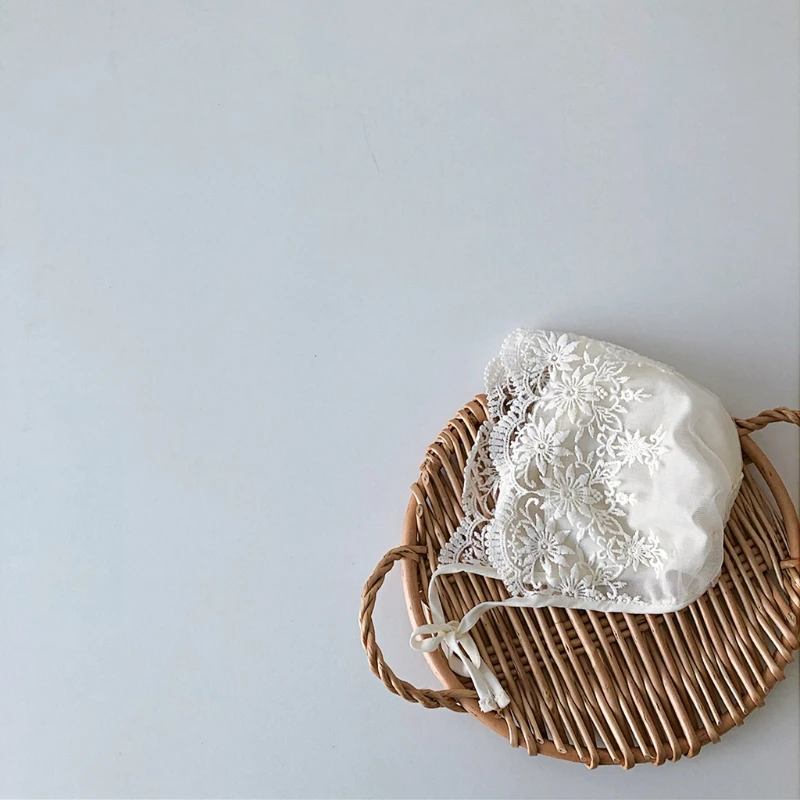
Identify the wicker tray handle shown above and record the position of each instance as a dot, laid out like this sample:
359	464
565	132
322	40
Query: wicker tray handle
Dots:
779	492
451	698
430	698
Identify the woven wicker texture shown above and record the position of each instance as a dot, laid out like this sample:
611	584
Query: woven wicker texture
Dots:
609	688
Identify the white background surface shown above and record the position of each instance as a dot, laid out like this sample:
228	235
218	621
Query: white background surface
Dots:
254	254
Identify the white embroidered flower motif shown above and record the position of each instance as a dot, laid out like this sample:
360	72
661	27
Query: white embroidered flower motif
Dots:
557	353
540	443
628	599
572	393
629	395
639	549
621	498
539	542
631	447
606	574
575	581
567	494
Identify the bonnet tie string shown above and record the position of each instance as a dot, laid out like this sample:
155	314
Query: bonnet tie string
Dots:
453	637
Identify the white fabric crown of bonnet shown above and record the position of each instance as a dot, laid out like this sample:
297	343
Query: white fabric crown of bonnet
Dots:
600	480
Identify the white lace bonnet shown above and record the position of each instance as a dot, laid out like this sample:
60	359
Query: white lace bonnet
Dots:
601	480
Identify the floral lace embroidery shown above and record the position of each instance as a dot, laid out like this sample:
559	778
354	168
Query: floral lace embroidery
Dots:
556	524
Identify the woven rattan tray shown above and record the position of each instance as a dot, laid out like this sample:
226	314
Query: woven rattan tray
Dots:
610	688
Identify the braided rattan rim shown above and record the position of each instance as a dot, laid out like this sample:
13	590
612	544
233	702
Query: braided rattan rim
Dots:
639	711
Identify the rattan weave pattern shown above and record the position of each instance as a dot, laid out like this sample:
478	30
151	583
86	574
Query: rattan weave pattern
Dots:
609	688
